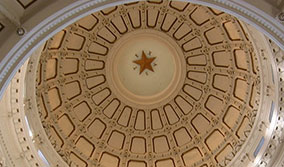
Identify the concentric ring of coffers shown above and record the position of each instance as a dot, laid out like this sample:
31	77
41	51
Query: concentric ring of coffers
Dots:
201	125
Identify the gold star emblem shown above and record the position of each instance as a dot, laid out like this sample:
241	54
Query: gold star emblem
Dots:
145	62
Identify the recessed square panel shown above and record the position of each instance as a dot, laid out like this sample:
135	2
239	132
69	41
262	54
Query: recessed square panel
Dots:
116	140
138	145
82	110
85	146
137	164
214	140
77	161
109	160
161	144
182	136
97	128
165	163
191	156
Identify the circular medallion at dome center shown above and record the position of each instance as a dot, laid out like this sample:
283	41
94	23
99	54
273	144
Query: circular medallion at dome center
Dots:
145	67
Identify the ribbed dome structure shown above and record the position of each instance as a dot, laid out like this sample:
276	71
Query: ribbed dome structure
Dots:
149	84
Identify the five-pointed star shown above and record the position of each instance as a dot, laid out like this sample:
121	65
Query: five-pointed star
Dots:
145	62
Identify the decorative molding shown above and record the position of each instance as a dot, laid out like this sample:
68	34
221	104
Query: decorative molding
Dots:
274	155
246	156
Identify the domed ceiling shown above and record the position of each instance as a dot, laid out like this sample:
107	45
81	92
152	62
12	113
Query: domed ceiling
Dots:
149	84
